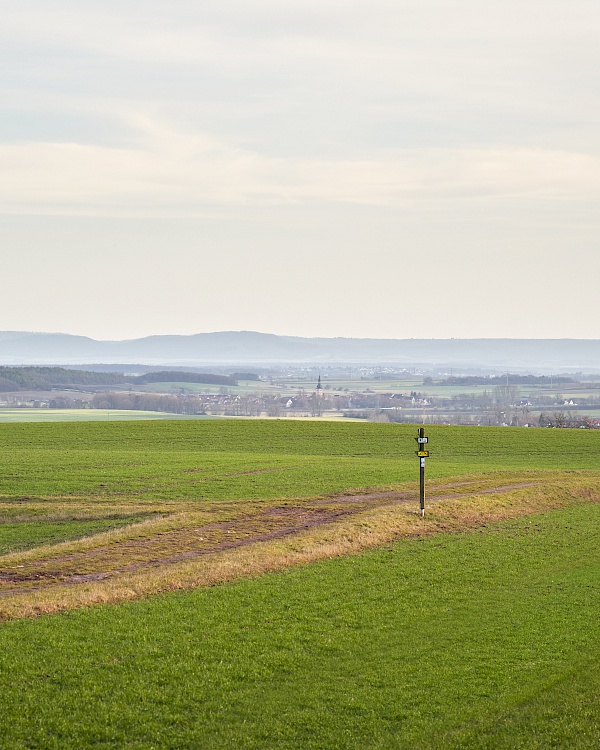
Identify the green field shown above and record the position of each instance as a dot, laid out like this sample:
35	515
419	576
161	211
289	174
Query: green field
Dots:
150	458
82	415
476	627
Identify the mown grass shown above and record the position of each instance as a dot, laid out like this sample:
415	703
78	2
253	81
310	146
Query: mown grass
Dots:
484	639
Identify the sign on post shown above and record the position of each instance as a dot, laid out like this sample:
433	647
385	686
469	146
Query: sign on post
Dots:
422	454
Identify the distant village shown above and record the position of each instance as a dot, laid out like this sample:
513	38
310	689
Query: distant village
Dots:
467	400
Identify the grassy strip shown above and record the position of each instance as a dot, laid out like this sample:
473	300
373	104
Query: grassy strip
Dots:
15	537
371	528
422	644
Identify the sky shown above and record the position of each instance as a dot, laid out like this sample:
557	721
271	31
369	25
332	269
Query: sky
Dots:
360	168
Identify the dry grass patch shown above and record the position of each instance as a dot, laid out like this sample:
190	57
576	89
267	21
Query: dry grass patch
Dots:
224	542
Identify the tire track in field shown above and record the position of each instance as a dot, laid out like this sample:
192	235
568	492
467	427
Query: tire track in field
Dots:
272	523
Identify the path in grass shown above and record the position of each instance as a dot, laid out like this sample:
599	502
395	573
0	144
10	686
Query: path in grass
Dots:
188	541
186	548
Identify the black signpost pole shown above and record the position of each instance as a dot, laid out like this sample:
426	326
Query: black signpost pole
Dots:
422	454
422	487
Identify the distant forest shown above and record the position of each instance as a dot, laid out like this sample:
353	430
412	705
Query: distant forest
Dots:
46	378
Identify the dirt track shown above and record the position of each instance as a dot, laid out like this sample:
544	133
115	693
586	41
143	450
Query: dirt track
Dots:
182	544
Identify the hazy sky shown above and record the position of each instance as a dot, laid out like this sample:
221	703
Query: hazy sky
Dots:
380	168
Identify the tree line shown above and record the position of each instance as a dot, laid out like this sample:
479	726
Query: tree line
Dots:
46	378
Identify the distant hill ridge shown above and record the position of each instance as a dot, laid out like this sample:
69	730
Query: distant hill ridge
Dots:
251	347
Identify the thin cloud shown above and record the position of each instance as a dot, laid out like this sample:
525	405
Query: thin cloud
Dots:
183	174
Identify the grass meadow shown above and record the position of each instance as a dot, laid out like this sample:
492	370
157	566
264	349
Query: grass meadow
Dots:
267	584
81	415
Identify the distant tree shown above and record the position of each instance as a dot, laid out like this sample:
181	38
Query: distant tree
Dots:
560	419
